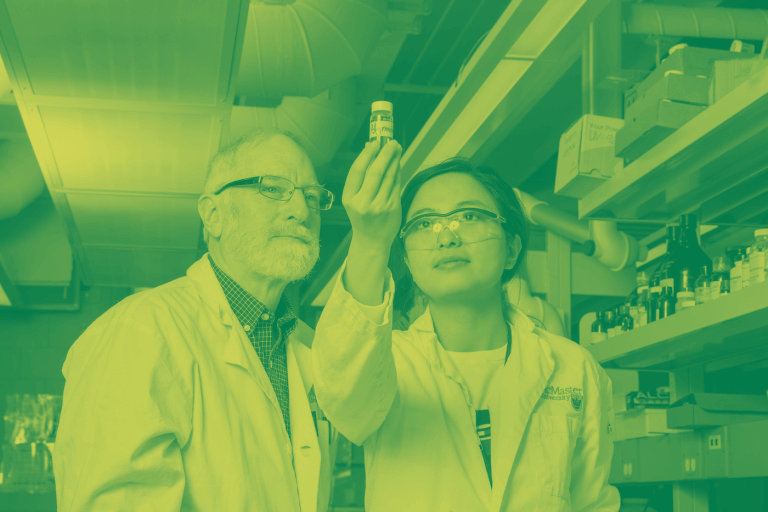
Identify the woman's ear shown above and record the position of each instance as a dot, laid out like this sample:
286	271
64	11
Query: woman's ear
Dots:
514	246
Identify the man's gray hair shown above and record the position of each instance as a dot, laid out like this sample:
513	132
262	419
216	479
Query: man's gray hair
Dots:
223	166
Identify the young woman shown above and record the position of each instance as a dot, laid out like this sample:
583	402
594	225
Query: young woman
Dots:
472	408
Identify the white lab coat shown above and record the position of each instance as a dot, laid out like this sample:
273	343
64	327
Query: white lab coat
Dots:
168	408
400	396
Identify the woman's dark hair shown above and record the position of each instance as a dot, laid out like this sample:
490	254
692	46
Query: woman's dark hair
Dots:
504	196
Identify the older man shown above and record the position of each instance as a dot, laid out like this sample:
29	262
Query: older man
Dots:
198	395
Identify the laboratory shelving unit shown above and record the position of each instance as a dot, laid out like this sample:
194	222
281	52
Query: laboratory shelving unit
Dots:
717	164
728	332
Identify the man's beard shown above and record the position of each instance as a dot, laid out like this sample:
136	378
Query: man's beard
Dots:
268	254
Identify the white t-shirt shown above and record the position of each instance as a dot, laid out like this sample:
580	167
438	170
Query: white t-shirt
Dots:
480	371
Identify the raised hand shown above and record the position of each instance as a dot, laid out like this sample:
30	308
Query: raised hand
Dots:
372	195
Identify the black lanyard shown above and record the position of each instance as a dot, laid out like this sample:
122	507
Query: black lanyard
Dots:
483	421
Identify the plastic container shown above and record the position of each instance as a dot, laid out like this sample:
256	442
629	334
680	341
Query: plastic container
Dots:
758	256
599	328
702	286
382	123
720	284
737	254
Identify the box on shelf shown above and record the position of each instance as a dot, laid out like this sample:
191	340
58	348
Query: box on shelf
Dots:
586	155
729	74
705	410
652	125
634	423
673	87
696	62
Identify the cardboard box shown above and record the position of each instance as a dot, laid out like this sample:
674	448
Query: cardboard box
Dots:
684	88
728	75
688	61
634	423
586	155
652	125
706	410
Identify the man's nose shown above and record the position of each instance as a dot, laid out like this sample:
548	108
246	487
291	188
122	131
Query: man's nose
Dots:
297	205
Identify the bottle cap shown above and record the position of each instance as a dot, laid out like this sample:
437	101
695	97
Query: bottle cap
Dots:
381	105
761	232
704	269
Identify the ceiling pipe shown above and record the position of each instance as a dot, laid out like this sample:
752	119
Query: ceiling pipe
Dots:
611	247
304	47
22	181
702	22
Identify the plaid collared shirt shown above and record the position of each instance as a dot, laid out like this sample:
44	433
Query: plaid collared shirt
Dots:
267	336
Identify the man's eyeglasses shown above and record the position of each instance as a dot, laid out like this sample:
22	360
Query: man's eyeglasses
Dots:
468	225
275	187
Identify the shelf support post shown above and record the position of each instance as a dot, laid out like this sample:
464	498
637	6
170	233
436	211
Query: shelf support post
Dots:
559	276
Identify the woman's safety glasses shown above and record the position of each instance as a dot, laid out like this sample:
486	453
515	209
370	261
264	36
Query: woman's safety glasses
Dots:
468	225
275	187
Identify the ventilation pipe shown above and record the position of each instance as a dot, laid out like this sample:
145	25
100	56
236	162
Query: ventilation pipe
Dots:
612	248
22	181
321	122
304	47
702	22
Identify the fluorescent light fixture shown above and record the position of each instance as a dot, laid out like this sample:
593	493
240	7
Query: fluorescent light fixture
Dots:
4	300
549	22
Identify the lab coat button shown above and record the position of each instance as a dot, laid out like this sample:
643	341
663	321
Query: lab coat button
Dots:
247	328
265	316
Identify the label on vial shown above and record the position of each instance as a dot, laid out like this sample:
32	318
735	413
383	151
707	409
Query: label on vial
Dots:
668	283
381	129
702	294
736	278
757	267
745	274
714	290
597	337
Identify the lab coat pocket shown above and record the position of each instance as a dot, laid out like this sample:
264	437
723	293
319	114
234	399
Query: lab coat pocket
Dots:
553	440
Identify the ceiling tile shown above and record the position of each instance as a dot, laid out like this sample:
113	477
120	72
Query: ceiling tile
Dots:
147	50
135	220
129	150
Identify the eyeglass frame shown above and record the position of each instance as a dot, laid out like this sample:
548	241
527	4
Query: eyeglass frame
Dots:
408	224
256	180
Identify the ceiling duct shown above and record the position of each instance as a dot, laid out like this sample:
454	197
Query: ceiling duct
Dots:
304	47
321	122
703	22
20	178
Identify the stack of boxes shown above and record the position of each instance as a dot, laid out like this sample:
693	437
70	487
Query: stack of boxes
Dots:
673	94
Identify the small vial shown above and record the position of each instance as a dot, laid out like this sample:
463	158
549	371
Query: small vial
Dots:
721	277
610	320
685	300
382	123
746	265
702	286
625	322
757	258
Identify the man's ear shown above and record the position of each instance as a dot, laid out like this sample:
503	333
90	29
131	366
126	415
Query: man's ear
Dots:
210	213
514	246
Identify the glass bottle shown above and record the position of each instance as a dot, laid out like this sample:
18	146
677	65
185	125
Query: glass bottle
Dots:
633	299
686	298
382	122
599	328
688	254
673	242
610	320
720	283
624	322
757	258
653	301
666	302
737	254
746	266
643	293
702	286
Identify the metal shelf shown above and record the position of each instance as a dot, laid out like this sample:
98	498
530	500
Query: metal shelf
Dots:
718	161
715	332
732	451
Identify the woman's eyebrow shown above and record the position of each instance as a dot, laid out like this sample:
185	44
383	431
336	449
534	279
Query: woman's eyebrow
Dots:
458	205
